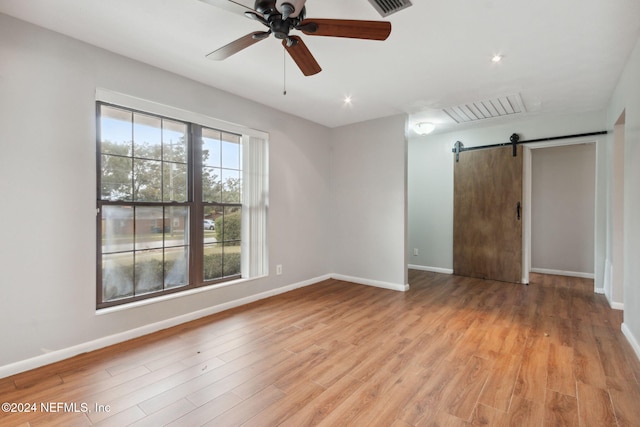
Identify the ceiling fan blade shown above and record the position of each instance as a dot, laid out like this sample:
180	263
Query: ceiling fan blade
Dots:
229	5
302	56
237	45
353	29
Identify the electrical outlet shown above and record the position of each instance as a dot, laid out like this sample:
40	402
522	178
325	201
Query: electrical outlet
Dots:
415	251
279	269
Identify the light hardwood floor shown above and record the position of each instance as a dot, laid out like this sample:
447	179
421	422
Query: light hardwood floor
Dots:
452	351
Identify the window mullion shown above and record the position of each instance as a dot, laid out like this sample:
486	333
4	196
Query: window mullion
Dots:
196	242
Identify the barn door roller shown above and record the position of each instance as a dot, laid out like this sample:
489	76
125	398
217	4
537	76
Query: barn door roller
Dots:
514	143
457	148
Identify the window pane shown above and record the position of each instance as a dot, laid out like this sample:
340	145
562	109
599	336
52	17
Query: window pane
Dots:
116	182
174	182
231	260
176	267
212	261
149	269
211	185
232	231
231	186
211	213
177	223
174	140
211	147
150	227
147	137
117	276
230	151
117	229
115	131
208	225
147	180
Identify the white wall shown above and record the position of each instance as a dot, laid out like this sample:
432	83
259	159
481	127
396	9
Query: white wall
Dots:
430	202
337	197
563	209
430	180
368	207
626	98
47	183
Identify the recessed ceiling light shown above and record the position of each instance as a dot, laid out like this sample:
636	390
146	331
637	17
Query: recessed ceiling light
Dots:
496	58
347	99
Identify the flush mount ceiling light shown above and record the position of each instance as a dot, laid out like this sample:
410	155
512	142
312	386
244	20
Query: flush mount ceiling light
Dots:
496	58
423	128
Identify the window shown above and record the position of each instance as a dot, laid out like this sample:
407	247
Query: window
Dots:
174	211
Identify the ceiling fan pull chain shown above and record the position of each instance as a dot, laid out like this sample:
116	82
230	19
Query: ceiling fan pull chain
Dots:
284	71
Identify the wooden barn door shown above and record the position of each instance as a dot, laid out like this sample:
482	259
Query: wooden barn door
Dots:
487	236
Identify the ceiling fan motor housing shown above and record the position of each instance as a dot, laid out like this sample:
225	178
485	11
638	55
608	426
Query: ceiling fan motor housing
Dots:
280	28
281	25
265	7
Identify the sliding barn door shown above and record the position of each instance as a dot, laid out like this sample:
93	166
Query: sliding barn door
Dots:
487	237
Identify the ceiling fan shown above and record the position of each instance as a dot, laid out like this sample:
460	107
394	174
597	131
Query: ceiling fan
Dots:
282	16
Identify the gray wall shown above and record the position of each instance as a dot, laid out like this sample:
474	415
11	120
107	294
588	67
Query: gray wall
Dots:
48	186
563	209
430	178
626	98
368	190
48	175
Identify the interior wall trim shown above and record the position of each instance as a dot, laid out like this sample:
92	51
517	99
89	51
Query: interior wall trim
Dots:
431	269
65	353
370	282
635	344
563	273
616	305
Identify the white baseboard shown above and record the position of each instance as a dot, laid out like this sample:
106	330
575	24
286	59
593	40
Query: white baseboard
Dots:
369	282
432	269
563	273
65	353
632	339
616	305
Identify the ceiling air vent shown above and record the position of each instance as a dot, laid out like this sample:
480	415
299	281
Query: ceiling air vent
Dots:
387	7
486	109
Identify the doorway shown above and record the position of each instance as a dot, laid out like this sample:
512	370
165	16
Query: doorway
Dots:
589	259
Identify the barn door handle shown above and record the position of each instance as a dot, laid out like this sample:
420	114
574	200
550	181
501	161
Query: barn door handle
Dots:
518	208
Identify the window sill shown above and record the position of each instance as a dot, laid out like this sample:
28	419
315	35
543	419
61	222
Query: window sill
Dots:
172	296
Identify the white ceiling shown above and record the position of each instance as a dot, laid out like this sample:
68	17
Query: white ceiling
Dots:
560	56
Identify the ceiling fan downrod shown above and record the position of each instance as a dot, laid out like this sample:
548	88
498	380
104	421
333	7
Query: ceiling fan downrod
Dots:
287	10
290	8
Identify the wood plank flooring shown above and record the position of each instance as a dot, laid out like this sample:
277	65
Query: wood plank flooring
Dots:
452	351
